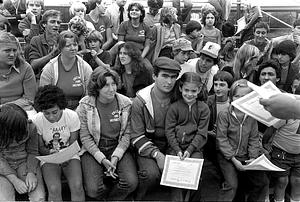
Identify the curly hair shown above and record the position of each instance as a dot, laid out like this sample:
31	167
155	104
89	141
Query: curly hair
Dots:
98	80
140	7
135	54
270	63
49	96
168	15
79	24
13	124
205	13
155	3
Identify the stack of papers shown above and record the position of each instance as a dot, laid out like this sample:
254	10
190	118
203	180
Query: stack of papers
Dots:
262	163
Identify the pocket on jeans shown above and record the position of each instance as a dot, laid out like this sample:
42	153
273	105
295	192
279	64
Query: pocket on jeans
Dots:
276	154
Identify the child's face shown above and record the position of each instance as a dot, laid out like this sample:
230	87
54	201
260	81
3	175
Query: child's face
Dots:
189	92
94	45
260	34
241	92
195	34
295	85
221	88
210	19
34	6
182	56
53	114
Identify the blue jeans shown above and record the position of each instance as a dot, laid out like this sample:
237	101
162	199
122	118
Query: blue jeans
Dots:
149	176
254	182
93	176
7	190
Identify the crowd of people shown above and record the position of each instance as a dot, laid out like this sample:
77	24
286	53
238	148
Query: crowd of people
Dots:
131	87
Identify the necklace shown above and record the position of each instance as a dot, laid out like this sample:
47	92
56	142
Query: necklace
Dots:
5	76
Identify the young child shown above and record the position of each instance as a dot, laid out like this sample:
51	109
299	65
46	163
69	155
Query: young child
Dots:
187	121
209	31
238	144
58	128
78	26
19	145
192	31
95	55
217	102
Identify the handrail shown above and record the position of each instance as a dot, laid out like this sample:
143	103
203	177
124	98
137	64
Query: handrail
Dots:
290	26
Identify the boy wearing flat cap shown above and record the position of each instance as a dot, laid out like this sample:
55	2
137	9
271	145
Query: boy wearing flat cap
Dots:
149	109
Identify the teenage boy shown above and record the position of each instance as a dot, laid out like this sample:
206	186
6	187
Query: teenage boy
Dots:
192	31
149	109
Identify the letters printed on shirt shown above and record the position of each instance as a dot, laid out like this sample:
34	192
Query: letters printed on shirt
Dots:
101	28
115	116
142	33
77	82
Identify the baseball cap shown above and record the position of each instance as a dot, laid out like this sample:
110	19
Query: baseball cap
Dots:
182	44
211	49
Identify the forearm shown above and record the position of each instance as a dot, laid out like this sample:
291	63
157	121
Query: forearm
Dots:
39	63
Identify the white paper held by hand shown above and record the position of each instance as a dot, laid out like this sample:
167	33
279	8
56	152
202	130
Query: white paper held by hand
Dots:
262	163
61	156
181	173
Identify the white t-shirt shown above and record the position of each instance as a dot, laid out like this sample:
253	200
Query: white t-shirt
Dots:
57	134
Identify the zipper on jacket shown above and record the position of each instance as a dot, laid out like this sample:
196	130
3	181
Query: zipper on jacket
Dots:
240	130
183	135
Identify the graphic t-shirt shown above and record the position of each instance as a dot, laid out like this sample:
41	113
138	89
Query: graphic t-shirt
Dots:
56	135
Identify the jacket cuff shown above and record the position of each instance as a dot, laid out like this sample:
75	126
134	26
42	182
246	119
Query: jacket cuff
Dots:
99	156
177	149
190	149
118	153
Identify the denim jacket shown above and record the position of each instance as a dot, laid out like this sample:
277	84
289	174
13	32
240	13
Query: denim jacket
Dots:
17	153
90	127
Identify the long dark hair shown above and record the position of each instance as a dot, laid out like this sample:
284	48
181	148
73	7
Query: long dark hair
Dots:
13	124
193	78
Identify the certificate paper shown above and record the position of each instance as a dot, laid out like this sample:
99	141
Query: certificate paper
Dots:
262	163
61	156
181	173
250	105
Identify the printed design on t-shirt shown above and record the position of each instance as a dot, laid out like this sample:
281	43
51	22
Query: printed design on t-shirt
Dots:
77	82
101	29
115	116
142	33
56	143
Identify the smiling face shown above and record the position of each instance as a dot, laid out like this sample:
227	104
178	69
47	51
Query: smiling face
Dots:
189	92
260	35
125	59
8	54
165	81
108	92
53	114
135	12
53	24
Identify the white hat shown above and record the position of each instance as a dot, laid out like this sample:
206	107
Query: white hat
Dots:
211	49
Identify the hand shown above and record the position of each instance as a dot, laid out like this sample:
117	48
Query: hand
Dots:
31	181
30	16
238	164
52	151
94	53
55	51
114	160
180	155
20	186
26	32
249	161
280	106
160	160
109	168
186	155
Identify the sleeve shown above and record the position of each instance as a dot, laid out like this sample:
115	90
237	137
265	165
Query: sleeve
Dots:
32	148
85	136
5	168
106	57
87	74
108	23
73	120
29	87
254	147
122	29
201	136
222	138
47	75
124	141
138	126
148	32
170	127
34	29
34	52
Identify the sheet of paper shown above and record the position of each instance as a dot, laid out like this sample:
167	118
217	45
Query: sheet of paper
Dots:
250	105
262	163
181	173
62	156
241	24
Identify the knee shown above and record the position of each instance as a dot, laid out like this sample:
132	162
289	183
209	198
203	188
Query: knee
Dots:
132	184
295	181
95	191
54	189
76	187
282	182
148	177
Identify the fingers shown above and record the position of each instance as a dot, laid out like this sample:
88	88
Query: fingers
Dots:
264	102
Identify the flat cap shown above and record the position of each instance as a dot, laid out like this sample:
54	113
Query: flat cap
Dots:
167	64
